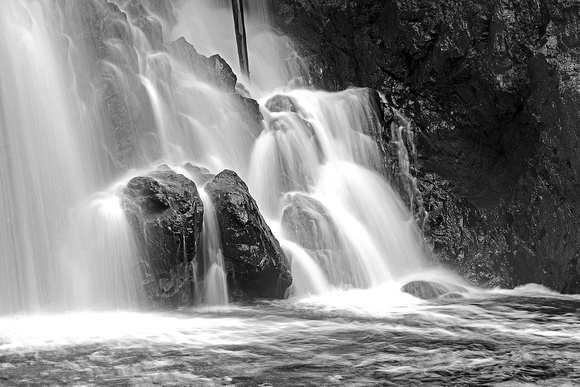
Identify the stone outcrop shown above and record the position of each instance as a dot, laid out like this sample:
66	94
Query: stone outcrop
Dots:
494	93
256	263
166	215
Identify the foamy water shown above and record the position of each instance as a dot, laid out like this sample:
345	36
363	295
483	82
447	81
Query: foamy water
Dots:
527	335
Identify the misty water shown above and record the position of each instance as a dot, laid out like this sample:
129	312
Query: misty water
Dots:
72	309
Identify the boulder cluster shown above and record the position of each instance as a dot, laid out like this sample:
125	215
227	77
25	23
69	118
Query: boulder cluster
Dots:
165	211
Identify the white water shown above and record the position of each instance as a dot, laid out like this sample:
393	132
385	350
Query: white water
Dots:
68	246
65	243
215	289
47	170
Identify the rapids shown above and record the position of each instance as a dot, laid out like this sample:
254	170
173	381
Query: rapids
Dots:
72	311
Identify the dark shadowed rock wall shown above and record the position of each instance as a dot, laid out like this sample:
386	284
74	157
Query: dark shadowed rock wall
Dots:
493	89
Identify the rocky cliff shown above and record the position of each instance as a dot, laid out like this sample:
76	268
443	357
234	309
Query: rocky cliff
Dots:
493	91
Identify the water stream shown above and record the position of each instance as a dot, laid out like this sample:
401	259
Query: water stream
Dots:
71	304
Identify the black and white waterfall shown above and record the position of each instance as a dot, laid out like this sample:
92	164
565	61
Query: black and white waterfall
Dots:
165	219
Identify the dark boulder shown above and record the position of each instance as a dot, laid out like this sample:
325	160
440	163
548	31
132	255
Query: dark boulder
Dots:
166	215
255	261
429	290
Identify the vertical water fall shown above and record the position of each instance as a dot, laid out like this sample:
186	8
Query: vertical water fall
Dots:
215	289
46	172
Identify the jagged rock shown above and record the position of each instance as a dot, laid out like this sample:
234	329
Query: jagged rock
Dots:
217	71
256	263
213	69
199	175
166	215
429	290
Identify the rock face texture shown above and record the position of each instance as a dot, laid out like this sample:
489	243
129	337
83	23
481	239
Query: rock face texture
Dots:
255	261
166	215
493	90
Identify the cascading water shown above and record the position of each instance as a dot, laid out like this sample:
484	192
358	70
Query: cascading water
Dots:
215	290
47	169
316	152
109	94
318	158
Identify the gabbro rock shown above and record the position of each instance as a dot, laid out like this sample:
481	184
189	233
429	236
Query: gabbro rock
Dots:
166	215
255	261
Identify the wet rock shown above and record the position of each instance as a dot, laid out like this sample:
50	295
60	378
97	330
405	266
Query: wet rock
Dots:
166	215
256	263
216	71
451	296
199	175
213	69
429	290
281	103
101	37
164	11
142	19
306	222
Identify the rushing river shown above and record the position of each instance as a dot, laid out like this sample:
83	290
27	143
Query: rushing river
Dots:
527	336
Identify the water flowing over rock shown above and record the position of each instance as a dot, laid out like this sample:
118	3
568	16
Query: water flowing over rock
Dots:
258	266
429	290
213	68
492	89
305	221
166	214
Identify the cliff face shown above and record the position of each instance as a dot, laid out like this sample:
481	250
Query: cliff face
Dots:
493	88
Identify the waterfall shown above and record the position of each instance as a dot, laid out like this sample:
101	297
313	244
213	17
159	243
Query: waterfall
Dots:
318	161
215	289
47	167
85	105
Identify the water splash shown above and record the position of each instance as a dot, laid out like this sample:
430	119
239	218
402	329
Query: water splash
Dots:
215	289
316	166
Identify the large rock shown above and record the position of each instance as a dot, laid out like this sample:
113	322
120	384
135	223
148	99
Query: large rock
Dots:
166	215
256	263
494	91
